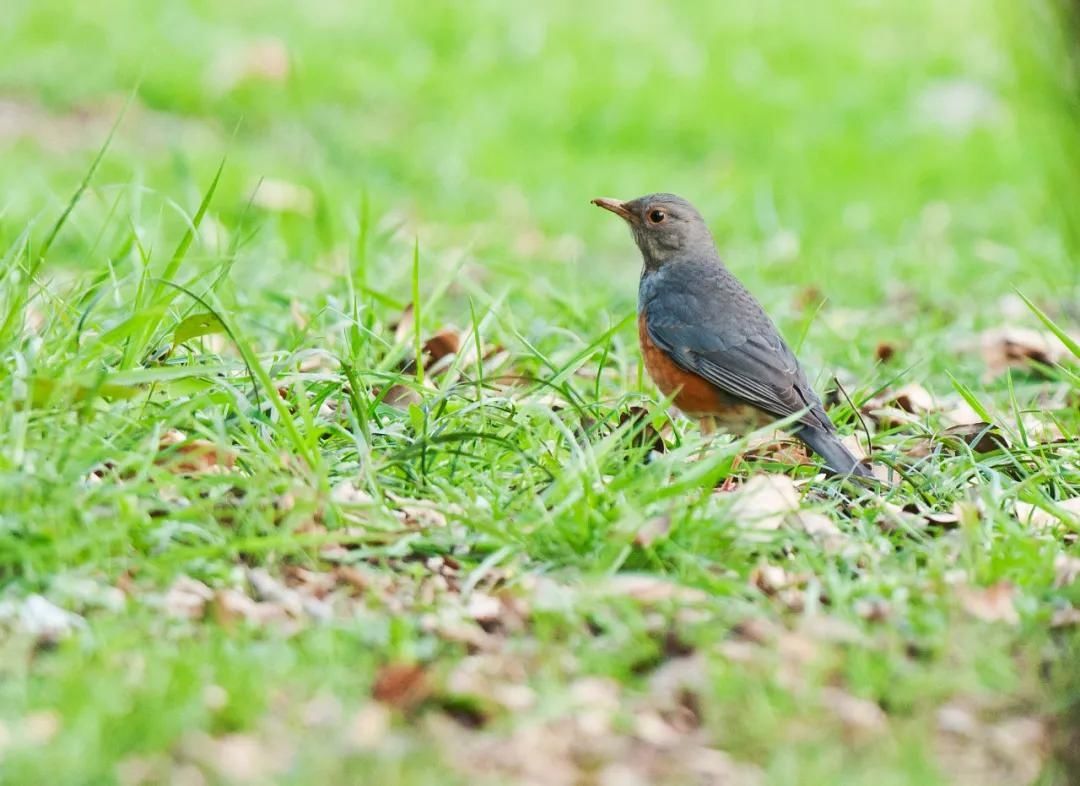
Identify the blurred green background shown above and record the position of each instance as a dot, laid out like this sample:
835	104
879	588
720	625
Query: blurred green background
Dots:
878	173
878	145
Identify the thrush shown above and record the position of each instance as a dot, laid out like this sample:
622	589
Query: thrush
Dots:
706	341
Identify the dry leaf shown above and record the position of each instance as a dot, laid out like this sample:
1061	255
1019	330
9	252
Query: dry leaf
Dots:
1065	617
182	456
369	727
779	449
1065	511
652	530
239	758
1066	570
403	686
441	347
873	609
771	579
187	597
401	397
859	717
649	590
980	436
1018	347
764	501
990	604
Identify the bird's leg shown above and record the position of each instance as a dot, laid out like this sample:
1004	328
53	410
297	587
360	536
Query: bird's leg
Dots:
707	425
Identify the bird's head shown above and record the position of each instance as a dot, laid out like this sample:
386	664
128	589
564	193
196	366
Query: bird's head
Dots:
665	227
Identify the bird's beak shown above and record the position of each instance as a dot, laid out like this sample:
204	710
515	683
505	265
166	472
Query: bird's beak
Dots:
616	206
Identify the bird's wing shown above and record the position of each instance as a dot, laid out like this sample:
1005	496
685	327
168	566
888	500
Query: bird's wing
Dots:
748	361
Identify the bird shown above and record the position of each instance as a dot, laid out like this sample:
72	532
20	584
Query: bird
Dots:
707	342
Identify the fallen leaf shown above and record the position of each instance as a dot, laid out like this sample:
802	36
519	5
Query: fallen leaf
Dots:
369	726
239	758
1018	347
442	346
859	717
873	609
981	437
184	456
649	590
771	579
1065	617
187	597
764	501
781	450
912	398
1065	511
990	604
652	530
1066	570
403	686
401	397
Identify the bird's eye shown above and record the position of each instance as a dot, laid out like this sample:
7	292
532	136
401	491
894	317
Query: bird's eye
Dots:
656	216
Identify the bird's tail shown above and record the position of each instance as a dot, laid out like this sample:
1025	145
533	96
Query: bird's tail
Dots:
838	459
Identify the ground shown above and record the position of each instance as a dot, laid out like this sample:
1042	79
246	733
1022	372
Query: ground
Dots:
328	456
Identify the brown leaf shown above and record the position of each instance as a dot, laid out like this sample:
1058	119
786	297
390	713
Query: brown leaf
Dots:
443	345
913	398
1018	347
990	604
403	686
182	456
401	397
786	451
981	437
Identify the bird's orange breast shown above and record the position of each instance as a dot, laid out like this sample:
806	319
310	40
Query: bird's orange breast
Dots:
694	395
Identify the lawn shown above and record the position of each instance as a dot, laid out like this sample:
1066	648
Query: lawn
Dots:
328	456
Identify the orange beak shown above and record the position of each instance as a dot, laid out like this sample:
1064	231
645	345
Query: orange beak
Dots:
616	206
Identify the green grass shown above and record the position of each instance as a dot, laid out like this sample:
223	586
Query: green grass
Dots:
351	511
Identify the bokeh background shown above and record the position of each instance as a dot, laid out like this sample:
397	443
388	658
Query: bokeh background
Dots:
873	146
886	175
